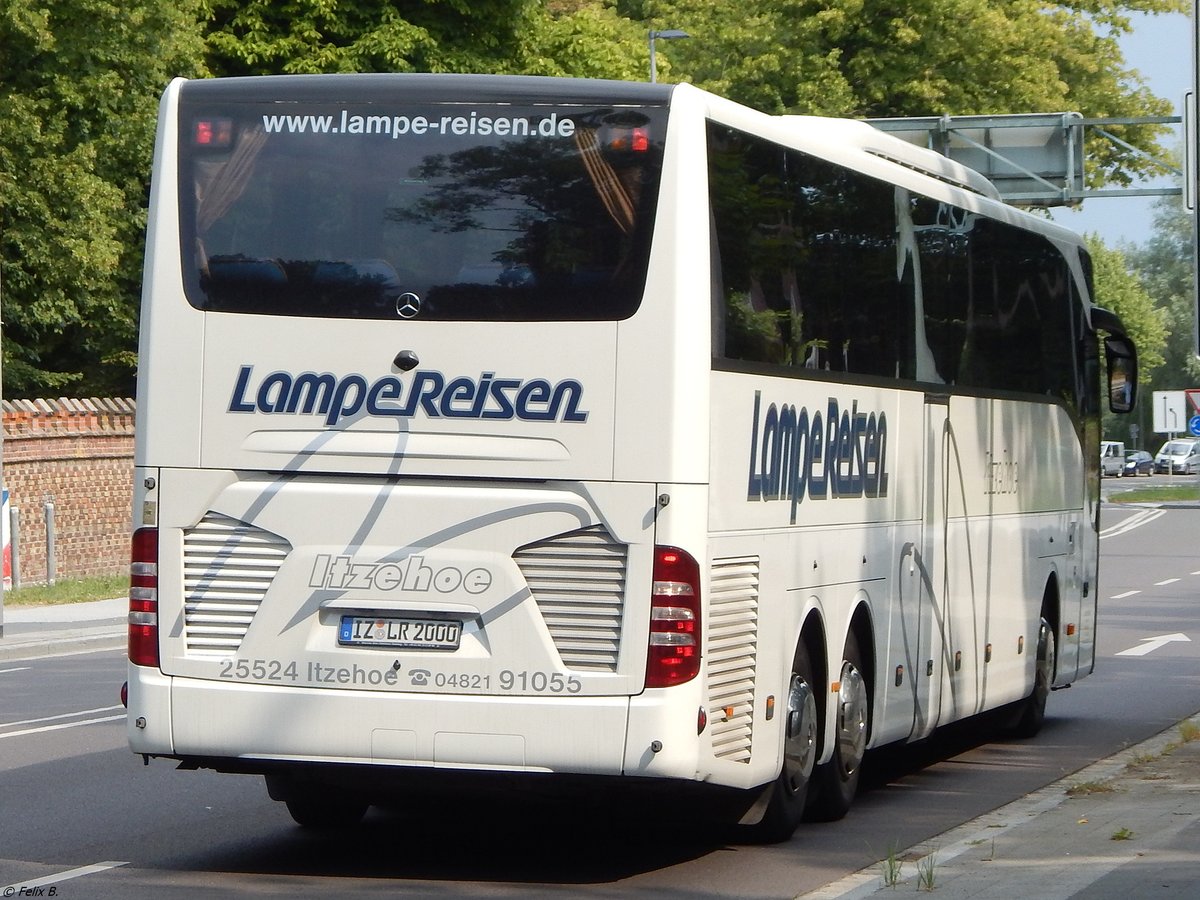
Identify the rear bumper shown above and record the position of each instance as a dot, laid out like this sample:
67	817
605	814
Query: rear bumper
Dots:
262	728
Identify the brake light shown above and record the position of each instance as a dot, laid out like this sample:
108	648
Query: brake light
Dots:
674	652
143	598
634	139
217	133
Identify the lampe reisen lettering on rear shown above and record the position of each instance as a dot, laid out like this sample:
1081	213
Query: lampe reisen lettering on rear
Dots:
429	392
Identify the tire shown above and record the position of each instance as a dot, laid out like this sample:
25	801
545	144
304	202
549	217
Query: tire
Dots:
312	808
801	729
1033	708
836	782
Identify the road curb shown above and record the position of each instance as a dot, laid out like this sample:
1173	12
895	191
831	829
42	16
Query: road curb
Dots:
941	853
41	645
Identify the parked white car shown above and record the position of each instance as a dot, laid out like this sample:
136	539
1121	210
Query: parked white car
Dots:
1112	458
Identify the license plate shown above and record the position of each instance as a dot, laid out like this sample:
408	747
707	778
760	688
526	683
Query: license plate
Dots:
412	633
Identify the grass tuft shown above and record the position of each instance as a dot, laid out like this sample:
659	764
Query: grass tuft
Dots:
1084	788
927	872
1156	494
77	590
890	867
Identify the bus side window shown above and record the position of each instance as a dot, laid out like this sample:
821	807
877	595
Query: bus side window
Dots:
745	186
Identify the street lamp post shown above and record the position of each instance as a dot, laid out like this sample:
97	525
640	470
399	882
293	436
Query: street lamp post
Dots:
669	35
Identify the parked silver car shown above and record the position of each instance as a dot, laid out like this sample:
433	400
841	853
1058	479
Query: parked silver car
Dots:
1178	457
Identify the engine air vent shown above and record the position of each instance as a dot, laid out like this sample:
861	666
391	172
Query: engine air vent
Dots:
578	582
228	566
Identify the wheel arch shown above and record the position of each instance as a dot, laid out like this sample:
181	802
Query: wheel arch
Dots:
861	626
1051	610
1051	606
815	639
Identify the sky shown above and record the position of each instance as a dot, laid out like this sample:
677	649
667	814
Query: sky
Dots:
1160	48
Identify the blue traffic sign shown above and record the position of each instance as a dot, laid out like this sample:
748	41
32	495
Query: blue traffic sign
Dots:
1194	425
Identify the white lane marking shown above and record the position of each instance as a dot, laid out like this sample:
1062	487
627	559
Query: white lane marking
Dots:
70	715
20	669
1149	645
1124	595
18	886
1168	581
1138	519
60	727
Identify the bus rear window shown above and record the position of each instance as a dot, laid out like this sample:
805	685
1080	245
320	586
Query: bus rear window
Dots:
484	212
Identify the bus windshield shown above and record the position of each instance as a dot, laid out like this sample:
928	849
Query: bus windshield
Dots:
425	210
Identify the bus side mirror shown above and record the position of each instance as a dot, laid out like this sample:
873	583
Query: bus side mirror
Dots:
1122	373
1121	357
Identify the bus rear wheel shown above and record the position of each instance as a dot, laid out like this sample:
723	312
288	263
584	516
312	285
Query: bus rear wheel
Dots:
313	808
789	792
836	782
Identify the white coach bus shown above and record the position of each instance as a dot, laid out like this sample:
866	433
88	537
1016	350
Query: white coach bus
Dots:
595	433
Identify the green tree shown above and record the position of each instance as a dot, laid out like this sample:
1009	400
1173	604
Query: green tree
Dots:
565	37
1164	266
79	87
1118	288
882	58
79	82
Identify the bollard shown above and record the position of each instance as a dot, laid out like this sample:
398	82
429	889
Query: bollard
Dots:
50	560
15	516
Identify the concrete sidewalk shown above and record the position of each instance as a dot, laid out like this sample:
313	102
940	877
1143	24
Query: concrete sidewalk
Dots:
38	631
1123	828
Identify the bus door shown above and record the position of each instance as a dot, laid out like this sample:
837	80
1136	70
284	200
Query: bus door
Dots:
931	603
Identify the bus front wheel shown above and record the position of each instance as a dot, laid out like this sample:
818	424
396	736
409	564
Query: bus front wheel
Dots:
1031	713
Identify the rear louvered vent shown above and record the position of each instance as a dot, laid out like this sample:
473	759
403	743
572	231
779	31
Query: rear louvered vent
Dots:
732	651
227	568
578	582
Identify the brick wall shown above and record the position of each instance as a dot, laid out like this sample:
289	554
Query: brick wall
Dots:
77	454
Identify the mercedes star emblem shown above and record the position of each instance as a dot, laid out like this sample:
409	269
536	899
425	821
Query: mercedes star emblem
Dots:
408	305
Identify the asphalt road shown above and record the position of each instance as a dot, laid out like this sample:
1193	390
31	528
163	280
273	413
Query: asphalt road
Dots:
81	814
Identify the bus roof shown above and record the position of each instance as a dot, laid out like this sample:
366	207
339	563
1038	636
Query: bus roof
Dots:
421	86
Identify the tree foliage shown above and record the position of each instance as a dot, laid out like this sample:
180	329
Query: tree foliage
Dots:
1164	267
1119	289
79	86
80	80
882	58
564	38
1164	275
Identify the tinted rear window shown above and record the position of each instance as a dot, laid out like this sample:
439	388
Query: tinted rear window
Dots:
427	211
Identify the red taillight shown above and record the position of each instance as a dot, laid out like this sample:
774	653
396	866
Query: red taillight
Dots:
213	133
627	139
674	653
143	598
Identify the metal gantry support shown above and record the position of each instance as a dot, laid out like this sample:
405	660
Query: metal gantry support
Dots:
1035	159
